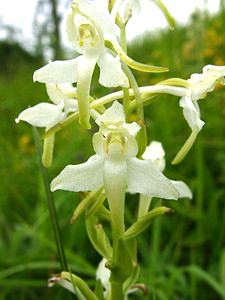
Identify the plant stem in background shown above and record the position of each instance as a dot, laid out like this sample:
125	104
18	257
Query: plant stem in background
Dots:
51	205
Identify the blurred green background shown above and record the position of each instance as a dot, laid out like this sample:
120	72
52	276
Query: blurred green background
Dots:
182	255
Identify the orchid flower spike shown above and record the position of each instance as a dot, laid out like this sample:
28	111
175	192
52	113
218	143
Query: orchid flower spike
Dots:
199	86
87	30
156	154
114	165
49	114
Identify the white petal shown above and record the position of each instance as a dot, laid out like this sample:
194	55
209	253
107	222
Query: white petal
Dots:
59	71
154	151
58	92
99	19
99	143
42	115
83	177
132	128
182	188
201	84
191	113
73	29
81	30
70	105
131	147
156	154
218	70
103	274
128	9
114	114
54	93
115	9
111	74
146	179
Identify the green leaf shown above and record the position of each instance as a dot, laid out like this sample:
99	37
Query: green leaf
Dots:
99	291
144	222
98	237
203	275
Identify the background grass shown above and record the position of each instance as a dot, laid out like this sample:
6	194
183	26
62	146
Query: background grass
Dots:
182	255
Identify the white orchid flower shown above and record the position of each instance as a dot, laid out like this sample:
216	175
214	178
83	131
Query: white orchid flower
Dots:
49	114
87	30
113	121
199	86
115	155
128	8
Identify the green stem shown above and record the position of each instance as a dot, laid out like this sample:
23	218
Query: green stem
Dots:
51	205
136	91
123	41
116	291
126	95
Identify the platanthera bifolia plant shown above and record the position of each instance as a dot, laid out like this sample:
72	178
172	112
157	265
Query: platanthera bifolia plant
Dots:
122	162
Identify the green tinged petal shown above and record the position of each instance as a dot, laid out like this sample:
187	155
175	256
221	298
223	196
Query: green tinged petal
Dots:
85	71
59	92
111	74
83	177
182	188
191	113
58	71
42	115
144	178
